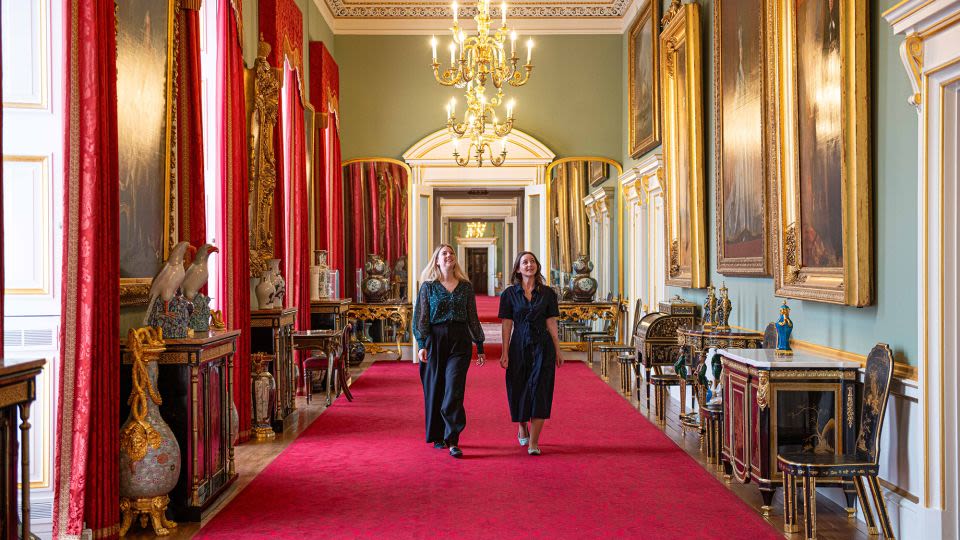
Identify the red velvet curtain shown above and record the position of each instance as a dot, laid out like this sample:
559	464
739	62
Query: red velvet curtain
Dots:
374	230
295	184
87	479
191	209
234	292
2	283
353	229
328	176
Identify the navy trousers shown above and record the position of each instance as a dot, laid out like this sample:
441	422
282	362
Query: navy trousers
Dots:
444	378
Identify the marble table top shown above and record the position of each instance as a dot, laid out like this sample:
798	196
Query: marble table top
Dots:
769	359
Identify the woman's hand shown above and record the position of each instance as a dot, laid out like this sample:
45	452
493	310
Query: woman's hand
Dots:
422	355
560	359
504	360
481	359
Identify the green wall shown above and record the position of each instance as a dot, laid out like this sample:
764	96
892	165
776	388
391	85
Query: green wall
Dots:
390	100
893	317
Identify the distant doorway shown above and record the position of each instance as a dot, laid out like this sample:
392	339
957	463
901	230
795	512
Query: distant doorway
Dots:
477	269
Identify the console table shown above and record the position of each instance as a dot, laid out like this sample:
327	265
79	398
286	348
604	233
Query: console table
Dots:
325	341
398	314
592	311
18	389
802	402
270	333
195	379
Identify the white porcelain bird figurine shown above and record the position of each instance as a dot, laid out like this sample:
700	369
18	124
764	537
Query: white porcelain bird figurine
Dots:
197	273
168	280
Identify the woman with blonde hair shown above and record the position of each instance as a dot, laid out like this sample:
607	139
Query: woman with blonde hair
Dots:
445	323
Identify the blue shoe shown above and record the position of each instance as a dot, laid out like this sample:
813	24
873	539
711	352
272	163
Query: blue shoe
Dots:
455	452
533	451
523	440
439	445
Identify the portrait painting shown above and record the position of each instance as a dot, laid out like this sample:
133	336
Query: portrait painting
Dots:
144	36
682	147
821	208
644	87
598	173
740	108
819	128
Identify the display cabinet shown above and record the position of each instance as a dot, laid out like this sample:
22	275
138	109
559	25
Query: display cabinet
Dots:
774	403
195	381
329	314
270	333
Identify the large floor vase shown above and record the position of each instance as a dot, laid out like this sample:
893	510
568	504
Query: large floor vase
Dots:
149	453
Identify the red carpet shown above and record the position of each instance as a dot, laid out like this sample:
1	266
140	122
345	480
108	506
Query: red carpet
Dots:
362	470
487	308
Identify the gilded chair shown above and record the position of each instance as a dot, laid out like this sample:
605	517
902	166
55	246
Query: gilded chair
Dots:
862	463
323	362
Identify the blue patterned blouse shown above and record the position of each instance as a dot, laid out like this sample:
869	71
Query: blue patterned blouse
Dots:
436	305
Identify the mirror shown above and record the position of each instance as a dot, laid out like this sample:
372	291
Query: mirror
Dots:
376	230
583	203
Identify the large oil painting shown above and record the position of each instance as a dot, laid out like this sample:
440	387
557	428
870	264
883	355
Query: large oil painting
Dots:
823	220
644	90
144	44
741	159
682	143
819	111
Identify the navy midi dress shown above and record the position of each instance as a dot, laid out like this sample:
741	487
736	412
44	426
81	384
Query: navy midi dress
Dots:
533	359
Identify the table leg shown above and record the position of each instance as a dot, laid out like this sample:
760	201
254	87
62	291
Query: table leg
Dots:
329	376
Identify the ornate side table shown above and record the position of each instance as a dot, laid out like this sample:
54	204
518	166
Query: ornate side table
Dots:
656	339
399	315
18	389
196	381
270	333
698	340
799	403
578	312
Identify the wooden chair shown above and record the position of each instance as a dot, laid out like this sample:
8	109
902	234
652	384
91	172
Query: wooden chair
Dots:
627	353
862	463
322	363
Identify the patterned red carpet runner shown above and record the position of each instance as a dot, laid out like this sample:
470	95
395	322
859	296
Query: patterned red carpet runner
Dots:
363	470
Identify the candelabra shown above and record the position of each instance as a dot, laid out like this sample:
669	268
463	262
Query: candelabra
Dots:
474	61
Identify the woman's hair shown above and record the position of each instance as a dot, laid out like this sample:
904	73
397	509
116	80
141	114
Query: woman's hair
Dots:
516	278
431	272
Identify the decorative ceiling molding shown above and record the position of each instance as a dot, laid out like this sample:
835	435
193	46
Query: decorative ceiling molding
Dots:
433	16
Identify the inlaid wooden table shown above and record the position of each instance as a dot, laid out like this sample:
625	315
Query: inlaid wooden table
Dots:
195	379
588	313
270	333
698	340
325	341
798	403
18	389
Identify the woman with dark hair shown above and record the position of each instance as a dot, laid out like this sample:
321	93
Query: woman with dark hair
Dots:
531	348
446	325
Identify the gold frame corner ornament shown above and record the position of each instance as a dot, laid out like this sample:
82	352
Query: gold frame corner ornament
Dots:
681	32
852	283
650	12
262	84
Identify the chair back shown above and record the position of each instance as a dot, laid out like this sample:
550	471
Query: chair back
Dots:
876	390
345	341
770	337
637	308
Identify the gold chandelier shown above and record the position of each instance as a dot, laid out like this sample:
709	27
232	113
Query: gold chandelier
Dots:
475	61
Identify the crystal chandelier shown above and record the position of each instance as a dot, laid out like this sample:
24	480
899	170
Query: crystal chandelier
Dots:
475	61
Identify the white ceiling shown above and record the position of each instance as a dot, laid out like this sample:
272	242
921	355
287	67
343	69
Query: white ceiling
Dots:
435	16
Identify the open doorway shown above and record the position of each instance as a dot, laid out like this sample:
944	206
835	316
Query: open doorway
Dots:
477	269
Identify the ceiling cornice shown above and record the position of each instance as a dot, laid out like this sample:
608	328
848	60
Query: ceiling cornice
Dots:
432	19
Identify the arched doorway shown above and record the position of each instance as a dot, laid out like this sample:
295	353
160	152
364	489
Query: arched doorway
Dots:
435	172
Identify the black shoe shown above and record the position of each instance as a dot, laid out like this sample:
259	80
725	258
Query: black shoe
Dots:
439	445
456	452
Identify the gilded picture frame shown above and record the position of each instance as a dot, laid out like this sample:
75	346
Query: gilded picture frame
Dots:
744	150
146	40
644	120
823	213
598	171
685	228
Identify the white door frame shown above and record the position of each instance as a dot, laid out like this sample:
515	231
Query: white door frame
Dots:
489	242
